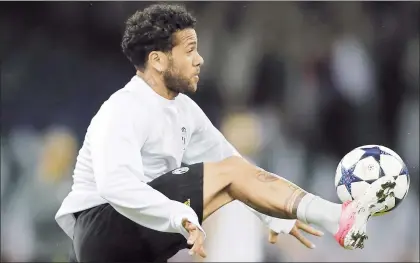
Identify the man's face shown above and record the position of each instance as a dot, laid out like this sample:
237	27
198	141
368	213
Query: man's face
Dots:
181	75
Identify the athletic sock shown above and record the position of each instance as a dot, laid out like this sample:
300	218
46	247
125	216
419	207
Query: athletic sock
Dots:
315	210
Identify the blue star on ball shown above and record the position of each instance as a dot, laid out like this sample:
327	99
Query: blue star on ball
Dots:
374	152
348	177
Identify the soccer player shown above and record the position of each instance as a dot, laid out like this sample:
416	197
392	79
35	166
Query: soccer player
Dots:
153	167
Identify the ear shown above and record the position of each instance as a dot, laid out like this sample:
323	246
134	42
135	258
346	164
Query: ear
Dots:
158	60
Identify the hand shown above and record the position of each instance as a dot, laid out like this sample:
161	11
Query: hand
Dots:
196	238
273	236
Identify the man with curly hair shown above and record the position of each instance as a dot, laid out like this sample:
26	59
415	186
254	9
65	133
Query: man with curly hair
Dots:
153	167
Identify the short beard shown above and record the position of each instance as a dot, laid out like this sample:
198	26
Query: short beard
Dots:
175	82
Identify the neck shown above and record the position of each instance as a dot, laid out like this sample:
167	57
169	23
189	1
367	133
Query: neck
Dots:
155	81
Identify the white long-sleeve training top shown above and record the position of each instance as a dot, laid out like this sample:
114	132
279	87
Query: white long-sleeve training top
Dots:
135	137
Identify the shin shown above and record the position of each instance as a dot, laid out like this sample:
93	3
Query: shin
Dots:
271	194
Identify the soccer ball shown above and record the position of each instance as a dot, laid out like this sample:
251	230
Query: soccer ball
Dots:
364	166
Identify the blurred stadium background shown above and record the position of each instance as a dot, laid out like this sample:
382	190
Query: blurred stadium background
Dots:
293	85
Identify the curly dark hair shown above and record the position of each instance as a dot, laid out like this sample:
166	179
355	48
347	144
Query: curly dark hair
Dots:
152	29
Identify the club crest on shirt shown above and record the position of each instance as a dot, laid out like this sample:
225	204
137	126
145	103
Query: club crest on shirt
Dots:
181	170
184	137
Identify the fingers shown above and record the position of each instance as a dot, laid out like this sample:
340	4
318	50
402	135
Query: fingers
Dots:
295	232
272	237
193	234
195	239
198	247
308	229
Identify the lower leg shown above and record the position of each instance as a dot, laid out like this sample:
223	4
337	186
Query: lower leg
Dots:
268	194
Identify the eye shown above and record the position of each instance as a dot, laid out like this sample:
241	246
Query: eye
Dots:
191	48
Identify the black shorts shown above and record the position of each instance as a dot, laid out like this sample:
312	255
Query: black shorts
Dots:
103	235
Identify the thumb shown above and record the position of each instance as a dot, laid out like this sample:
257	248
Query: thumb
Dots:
272	237
185	223
191	227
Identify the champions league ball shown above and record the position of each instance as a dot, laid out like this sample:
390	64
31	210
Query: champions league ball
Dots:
364	166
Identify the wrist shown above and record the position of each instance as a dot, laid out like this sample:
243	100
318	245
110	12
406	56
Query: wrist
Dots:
178	223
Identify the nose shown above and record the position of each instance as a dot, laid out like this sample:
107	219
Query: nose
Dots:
199	61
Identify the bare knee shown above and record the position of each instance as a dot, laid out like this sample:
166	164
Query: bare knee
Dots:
218	176
216	179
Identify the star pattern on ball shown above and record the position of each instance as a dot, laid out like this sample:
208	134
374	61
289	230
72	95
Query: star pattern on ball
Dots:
374	152
348	177
404	170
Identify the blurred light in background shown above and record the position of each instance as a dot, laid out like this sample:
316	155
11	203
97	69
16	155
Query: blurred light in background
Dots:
293	85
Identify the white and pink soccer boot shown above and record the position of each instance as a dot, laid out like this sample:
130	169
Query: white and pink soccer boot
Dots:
355	214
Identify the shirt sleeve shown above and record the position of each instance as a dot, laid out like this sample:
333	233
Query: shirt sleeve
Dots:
119	132
209	145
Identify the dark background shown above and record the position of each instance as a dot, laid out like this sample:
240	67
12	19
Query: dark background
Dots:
293	85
